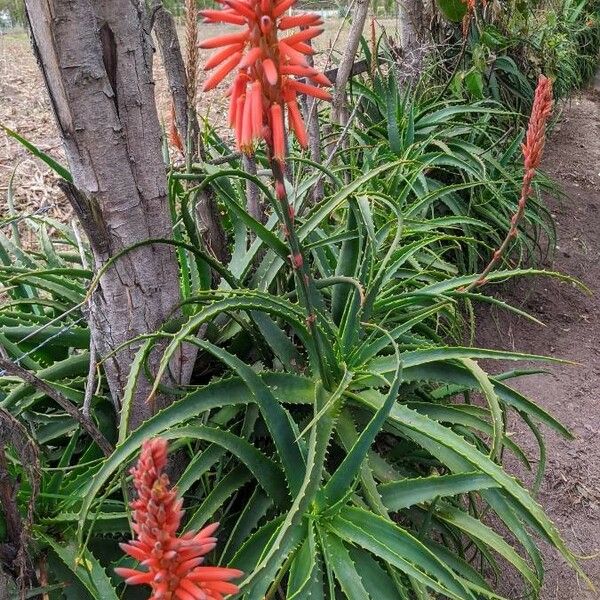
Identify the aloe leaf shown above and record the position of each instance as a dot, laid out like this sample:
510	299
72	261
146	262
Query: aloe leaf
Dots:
403	494
84	566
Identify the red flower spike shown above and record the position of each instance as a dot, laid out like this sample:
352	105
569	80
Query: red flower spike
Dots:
264	85
292	55
174	137
173	563
270	71
251	58
257	112
310	90
536	131
302	36
302	48
225	40
246	140
281	7
241	7
222	16
297	124
239	119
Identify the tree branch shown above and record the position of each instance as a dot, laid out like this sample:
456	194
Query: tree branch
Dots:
14	369
340	110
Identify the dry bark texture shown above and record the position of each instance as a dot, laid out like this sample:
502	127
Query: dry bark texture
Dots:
414	37
96	59
344	71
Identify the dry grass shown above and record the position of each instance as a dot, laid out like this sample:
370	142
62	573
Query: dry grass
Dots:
24	107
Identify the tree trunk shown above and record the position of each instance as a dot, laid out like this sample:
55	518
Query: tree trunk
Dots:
414	38
96	59
340	106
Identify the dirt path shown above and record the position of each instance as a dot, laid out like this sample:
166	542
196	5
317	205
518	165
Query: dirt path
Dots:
571	490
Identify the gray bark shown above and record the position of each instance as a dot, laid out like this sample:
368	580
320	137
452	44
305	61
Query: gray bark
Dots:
170	50
414	37
359	16
209	220
96	59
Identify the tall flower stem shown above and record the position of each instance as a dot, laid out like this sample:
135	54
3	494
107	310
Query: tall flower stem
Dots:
533	149
304	279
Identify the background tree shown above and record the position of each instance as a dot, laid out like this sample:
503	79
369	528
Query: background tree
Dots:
96	58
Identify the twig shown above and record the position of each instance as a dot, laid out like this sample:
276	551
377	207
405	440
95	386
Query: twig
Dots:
10	367
347	62
90	382
253	204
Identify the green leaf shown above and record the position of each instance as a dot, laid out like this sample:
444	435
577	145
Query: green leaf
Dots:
336	554
403	494
84	565
55	166
302	569
286	388
341	481
399	548
376	581
235	480
476	529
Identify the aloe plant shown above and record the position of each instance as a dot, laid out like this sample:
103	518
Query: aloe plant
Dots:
339	428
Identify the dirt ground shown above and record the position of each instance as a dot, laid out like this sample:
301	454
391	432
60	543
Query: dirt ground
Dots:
571	490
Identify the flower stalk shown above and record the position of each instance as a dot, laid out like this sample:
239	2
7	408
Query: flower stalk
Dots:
532	149
265	88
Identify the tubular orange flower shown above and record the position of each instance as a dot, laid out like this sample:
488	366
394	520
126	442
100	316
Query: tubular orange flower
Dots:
174	137
263	86
173	562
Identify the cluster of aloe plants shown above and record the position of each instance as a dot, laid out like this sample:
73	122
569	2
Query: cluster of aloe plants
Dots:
507	45
350	450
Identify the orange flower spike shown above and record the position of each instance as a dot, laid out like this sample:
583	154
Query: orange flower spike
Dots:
239	119
281	7
257	110
309	90
173	563
246	144
297	124
222	16
264	86
302	36
239	85
174	137
292	55
299	21
270	71
536	131
216	59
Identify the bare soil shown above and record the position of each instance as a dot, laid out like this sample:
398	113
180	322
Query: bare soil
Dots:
570	492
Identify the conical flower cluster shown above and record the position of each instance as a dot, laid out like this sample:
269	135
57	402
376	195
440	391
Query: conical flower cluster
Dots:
173	562
536	131
267	66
